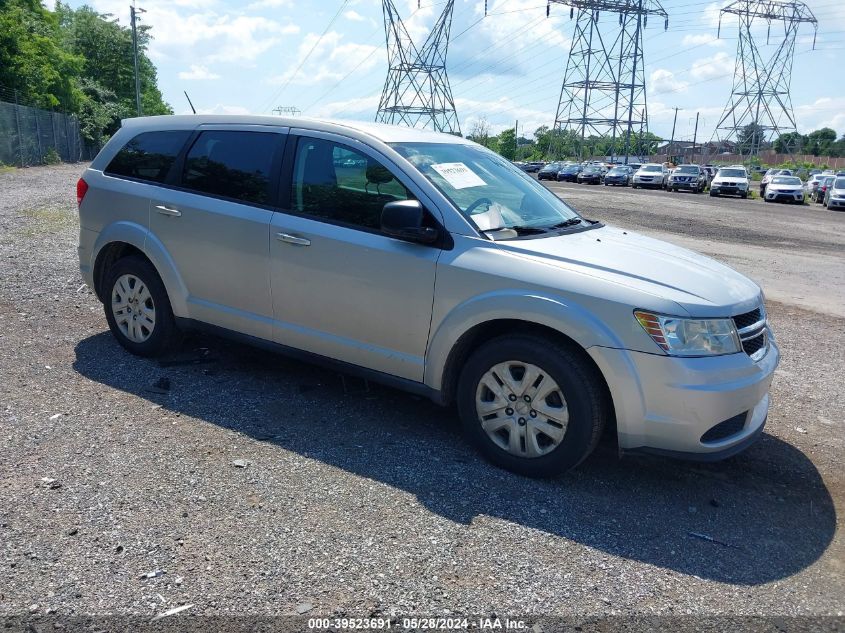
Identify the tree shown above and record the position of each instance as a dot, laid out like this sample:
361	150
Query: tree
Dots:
480	131
507	143
820	142
750	138
32	61
790	143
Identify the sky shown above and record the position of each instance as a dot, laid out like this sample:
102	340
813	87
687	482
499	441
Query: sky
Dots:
329	59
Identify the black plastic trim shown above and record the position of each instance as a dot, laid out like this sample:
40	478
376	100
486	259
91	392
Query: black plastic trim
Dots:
715	456
403	384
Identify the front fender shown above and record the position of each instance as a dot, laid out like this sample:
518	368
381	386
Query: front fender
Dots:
139	237
557	313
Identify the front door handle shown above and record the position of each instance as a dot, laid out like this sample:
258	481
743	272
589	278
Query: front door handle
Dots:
293	239
168	211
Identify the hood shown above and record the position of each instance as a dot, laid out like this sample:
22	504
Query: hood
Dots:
700	285
730	179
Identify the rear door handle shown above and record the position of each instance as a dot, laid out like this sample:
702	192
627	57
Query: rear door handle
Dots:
168	211
293	239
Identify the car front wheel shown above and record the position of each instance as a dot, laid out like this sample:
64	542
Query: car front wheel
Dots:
137	308
531	406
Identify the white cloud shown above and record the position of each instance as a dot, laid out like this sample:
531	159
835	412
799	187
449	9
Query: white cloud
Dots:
662	80
269	4
221	108
354	16
362	108
823	112
701	39
331	59
198	72
720	65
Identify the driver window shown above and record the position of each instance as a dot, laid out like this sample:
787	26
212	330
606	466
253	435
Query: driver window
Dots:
340	184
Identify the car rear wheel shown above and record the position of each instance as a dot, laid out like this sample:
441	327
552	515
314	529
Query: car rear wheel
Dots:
137	308
530	405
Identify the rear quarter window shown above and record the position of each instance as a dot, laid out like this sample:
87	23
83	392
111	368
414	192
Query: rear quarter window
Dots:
148	156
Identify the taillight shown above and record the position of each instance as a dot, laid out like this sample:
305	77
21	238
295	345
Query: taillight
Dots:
81	190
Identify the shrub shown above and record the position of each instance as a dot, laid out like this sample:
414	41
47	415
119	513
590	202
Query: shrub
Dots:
52	157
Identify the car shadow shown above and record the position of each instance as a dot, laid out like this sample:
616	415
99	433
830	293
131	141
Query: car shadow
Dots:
755	518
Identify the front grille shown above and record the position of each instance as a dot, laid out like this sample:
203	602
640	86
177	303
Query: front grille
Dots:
725	429
749	318
753	338
753	345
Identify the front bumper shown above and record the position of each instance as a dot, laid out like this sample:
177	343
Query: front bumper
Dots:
684	185
666	404
779	196
835	203
729	190
651	182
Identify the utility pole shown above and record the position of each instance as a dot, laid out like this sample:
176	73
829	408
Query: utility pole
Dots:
672	140
694	136
133	13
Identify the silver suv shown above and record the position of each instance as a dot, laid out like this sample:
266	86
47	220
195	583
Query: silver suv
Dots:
432	264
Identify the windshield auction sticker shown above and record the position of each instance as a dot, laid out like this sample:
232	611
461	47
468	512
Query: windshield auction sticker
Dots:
458	175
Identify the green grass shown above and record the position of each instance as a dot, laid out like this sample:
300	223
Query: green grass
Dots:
48	221
6	169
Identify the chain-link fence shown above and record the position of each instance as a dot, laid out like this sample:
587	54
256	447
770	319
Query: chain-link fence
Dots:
31	136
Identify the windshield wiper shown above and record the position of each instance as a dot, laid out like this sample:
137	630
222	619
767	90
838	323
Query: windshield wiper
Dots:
519	229
565	223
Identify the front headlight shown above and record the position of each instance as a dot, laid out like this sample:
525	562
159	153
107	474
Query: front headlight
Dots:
678	336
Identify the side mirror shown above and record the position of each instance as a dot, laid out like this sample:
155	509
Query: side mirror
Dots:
403	220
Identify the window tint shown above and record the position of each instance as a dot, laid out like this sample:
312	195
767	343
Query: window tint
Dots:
149	156
336	182
231	164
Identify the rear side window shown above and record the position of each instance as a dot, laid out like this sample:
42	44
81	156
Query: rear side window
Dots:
231	164
149	156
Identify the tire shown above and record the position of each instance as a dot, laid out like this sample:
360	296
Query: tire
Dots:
579	385
141	340
743	196
713	195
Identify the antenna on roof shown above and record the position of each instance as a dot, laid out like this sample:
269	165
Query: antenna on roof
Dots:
189	102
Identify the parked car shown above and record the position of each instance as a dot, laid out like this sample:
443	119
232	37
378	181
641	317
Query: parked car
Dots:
542	327
533	167
690	177
634	167
590	174
813	182
569	173
549	172
767	177
651	175
822	187
730	181
619	175
834	197
785	189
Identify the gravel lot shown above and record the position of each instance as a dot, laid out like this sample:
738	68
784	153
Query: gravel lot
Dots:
360	501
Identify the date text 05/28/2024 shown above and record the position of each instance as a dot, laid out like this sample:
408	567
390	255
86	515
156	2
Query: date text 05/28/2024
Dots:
418	624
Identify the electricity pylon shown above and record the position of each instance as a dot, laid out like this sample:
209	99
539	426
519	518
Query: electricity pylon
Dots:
603	92
416	91
760	106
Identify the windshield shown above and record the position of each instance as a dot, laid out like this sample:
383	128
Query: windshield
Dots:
552	166
786	180
687	169
591	170
731	173
616	171
486	188
651	168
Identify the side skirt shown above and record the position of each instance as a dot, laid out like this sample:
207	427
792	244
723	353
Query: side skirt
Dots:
403	384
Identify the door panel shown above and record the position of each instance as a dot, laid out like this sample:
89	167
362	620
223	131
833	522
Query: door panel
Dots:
350	293
220	250
215	225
